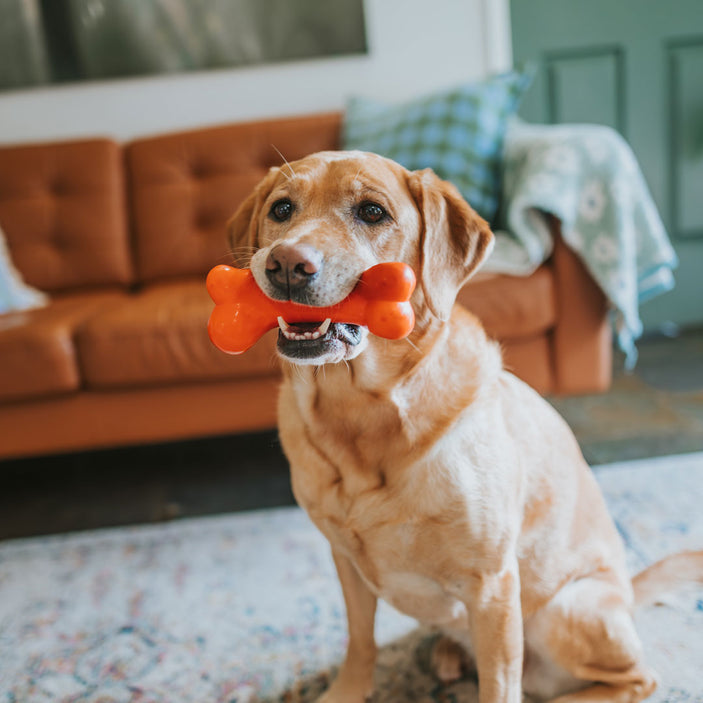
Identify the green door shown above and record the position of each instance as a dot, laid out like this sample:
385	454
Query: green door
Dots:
637	66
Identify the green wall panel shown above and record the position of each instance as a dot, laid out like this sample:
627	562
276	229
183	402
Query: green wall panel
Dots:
585	86
686	131
637	66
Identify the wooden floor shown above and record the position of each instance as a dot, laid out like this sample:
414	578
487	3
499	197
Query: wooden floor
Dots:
654	411
658	410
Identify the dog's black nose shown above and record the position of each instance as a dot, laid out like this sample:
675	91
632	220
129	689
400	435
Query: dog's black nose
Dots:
291	267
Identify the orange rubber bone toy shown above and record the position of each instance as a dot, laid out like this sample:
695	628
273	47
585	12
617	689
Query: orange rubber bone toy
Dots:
243	312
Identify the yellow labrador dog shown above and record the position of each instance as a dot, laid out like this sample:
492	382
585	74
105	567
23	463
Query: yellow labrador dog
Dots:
444	484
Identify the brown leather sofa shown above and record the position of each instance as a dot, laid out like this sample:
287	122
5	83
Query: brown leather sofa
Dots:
121	237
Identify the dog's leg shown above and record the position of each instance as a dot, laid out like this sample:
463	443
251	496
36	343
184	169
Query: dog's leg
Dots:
495	615
584	635
354	683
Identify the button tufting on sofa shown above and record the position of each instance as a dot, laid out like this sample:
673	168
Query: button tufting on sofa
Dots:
59	189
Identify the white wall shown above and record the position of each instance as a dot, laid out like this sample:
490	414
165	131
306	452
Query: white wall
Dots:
415	46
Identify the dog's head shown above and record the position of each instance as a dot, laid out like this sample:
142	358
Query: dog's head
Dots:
317	224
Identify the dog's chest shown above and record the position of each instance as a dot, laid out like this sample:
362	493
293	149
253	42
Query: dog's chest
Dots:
406	544
405	561
410	550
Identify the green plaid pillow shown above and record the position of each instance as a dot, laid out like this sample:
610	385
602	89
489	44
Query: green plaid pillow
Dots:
458	134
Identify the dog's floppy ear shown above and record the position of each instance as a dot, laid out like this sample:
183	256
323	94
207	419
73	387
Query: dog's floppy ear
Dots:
243	227
454	242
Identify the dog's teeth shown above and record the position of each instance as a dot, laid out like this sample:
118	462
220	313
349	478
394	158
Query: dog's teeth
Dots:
305	336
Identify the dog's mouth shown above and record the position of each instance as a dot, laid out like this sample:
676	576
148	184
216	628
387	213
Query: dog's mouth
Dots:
317	342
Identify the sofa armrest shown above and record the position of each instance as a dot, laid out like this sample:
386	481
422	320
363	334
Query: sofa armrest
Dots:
582	338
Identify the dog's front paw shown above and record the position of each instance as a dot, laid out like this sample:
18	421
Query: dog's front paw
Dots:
448	660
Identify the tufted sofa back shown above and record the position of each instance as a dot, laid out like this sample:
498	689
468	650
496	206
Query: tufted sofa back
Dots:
62	209
184	187
87	213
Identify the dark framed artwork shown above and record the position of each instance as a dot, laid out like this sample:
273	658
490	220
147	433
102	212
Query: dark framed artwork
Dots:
58	41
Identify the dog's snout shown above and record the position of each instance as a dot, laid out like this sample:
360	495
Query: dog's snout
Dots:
292	266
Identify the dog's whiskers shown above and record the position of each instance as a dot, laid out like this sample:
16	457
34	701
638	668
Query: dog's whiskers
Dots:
357	174
241	255
286	163
413	345
301	375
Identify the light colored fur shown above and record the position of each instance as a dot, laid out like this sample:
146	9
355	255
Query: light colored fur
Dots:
444	484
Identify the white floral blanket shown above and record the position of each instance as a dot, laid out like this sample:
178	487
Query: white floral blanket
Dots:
588	177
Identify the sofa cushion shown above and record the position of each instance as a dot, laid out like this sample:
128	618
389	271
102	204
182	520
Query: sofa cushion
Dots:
458	133
512	307
36	346
184	187
159	336
63	212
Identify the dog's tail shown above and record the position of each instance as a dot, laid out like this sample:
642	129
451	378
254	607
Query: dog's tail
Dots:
666	575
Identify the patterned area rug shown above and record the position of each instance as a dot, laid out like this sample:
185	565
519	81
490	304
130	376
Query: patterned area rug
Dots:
246	607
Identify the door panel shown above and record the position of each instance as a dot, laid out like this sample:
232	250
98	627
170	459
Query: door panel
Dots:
585	86
637	66
686	138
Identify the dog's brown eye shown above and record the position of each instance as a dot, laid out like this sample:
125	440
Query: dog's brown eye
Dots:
281	210
372	213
